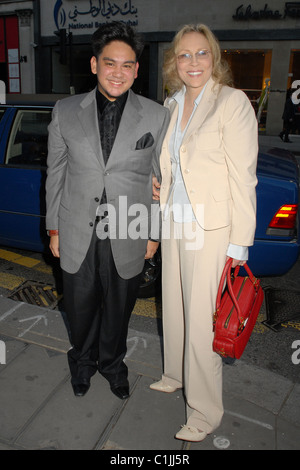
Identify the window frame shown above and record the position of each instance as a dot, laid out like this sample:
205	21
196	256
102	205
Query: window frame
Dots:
11	137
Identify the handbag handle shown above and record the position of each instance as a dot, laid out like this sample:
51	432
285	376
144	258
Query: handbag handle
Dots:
226	274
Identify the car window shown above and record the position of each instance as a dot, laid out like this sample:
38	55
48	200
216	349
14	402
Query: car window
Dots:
27	144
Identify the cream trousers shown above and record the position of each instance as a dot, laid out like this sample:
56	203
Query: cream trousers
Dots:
191	271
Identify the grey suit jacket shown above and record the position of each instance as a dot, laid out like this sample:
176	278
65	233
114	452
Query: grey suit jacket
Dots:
77	176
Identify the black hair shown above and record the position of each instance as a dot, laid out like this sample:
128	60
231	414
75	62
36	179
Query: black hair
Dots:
116	31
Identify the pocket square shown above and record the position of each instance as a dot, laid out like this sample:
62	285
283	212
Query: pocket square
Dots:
145	141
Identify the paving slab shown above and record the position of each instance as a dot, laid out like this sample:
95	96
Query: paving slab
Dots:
150	418
33	324
25	385
262	387
39	411
67	422
245	426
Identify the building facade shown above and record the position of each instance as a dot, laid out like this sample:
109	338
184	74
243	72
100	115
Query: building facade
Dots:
45	44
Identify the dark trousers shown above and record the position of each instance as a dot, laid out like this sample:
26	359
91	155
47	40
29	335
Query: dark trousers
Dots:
98	304
287	127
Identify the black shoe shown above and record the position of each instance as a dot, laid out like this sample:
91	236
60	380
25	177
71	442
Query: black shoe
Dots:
121	391
281	136
81	389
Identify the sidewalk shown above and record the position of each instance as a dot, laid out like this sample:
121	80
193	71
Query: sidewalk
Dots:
39	411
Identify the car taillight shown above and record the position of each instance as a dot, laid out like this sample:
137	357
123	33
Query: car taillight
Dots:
285	217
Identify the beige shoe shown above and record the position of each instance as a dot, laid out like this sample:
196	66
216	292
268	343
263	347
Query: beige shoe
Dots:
189	433
161	387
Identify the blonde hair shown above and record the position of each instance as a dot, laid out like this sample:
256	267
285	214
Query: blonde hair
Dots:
220	73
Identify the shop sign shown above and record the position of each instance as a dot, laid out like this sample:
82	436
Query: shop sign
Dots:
291	10
93	13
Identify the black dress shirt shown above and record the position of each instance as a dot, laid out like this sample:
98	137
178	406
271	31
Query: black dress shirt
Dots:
109	117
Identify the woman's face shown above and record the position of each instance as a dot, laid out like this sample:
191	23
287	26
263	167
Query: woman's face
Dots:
194	61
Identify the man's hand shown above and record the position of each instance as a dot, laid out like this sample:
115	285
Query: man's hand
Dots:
54	245
155	188
151	249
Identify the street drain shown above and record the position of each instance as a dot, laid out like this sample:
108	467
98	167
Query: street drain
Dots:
282	306
36	293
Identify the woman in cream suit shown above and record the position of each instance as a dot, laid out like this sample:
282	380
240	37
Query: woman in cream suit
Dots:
208	203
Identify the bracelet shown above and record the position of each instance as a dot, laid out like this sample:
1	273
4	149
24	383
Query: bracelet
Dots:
52	232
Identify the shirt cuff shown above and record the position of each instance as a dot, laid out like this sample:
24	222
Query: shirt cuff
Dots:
237	252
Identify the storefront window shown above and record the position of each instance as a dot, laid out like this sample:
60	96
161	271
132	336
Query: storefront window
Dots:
77	73
74	73
9	53
294	70
251	70
294	75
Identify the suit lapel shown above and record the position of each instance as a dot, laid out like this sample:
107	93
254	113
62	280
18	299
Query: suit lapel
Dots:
126	133
173	107
205	105
89	120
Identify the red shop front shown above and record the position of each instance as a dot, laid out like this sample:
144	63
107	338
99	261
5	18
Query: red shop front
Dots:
9	53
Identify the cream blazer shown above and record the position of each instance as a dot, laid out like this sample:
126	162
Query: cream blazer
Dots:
218	159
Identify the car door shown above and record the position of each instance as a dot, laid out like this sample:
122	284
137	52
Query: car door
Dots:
23	155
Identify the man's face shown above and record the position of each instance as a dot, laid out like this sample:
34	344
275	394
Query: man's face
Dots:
116	69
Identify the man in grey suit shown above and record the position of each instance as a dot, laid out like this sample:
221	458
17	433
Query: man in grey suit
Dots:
103	149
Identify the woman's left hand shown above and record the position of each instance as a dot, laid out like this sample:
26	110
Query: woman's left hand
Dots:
151	249
236	262
155	188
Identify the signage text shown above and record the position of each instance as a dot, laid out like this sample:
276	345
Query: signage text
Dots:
244	13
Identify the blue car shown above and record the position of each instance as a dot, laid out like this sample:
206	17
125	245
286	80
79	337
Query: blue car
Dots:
23	155
277	240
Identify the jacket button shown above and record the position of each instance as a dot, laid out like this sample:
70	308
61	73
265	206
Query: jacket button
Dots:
97	199
187	170
91	224
183	149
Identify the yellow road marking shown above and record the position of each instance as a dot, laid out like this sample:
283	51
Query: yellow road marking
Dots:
292	324
44	268
18	259
144	307
147	308
10	281
26	261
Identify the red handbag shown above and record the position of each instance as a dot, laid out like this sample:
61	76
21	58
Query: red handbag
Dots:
236	311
